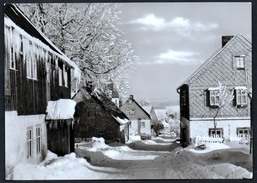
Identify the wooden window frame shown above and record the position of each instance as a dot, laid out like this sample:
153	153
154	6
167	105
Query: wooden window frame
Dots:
31	64
241	97
131	111
215	130
214	98
240	61
243	129
29	142
38	139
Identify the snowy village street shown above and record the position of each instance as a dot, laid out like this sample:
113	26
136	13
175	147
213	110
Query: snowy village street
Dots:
159	158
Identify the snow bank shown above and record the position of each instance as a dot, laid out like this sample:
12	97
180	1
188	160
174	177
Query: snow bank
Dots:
60	109
62	168
135	137
123	156
210	147
230	171
98	144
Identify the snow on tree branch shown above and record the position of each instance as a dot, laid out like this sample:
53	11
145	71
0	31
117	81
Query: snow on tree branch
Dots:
87	34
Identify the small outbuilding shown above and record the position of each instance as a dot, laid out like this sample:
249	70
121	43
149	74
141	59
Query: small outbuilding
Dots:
97	116
59	123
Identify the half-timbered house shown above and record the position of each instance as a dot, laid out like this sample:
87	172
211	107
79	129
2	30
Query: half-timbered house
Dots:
215	100
36	72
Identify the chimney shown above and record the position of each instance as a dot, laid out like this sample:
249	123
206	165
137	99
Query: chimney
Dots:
226	39
131	96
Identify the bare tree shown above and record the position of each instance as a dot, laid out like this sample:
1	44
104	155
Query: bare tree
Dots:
221	98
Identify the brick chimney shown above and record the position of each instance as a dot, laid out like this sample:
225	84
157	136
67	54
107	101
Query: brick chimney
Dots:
226	39
131	96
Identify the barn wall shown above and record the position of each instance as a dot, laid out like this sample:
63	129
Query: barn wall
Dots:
59	136
96	122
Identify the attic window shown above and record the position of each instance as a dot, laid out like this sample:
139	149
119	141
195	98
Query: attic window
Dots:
240	61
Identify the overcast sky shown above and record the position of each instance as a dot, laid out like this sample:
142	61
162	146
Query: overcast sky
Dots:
173	39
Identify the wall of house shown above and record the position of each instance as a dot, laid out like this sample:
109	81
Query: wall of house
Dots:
222	68
60	136
201	127
136	125
43	84
138	112
16	138
94	121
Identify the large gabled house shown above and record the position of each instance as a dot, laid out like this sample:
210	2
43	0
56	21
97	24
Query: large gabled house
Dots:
36	72
215	101
97	116
140	119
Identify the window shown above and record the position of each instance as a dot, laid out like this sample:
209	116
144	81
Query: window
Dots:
38	139
12	58
240	61
215	132
65	76
130	101
214	97
142	124
29	142
130	111
241	96
243	132
31	63
60	76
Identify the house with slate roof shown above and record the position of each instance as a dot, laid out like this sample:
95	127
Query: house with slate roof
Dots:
36	72
97	116
202	116
140	119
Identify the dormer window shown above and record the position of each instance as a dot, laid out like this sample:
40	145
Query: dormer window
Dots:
240	61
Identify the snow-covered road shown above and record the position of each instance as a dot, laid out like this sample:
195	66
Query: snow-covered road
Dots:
100	161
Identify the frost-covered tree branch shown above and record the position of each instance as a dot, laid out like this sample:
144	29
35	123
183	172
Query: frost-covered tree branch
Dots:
87	34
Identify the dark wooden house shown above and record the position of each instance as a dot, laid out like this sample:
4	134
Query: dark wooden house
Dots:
210	109
97	116
36	71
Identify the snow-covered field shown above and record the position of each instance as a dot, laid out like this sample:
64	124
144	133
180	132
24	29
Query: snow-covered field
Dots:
178	164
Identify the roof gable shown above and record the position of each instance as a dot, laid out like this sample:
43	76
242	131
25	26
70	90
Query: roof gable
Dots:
103	101
138	105
237	44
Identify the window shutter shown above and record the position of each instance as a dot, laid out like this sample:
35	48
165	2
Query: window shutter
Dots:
208	98
235	97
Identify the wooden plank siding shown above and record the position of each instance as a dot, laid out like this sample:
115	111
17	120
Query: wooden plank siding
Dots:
29	96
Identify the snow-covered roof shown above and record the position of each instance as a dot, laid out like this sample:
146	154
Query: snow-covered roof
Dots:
160	113
60	109
86	93
15	18
147	109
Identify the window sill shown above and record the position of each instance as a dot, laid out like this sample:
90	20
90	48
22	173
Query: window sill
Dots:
13	69
32	79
